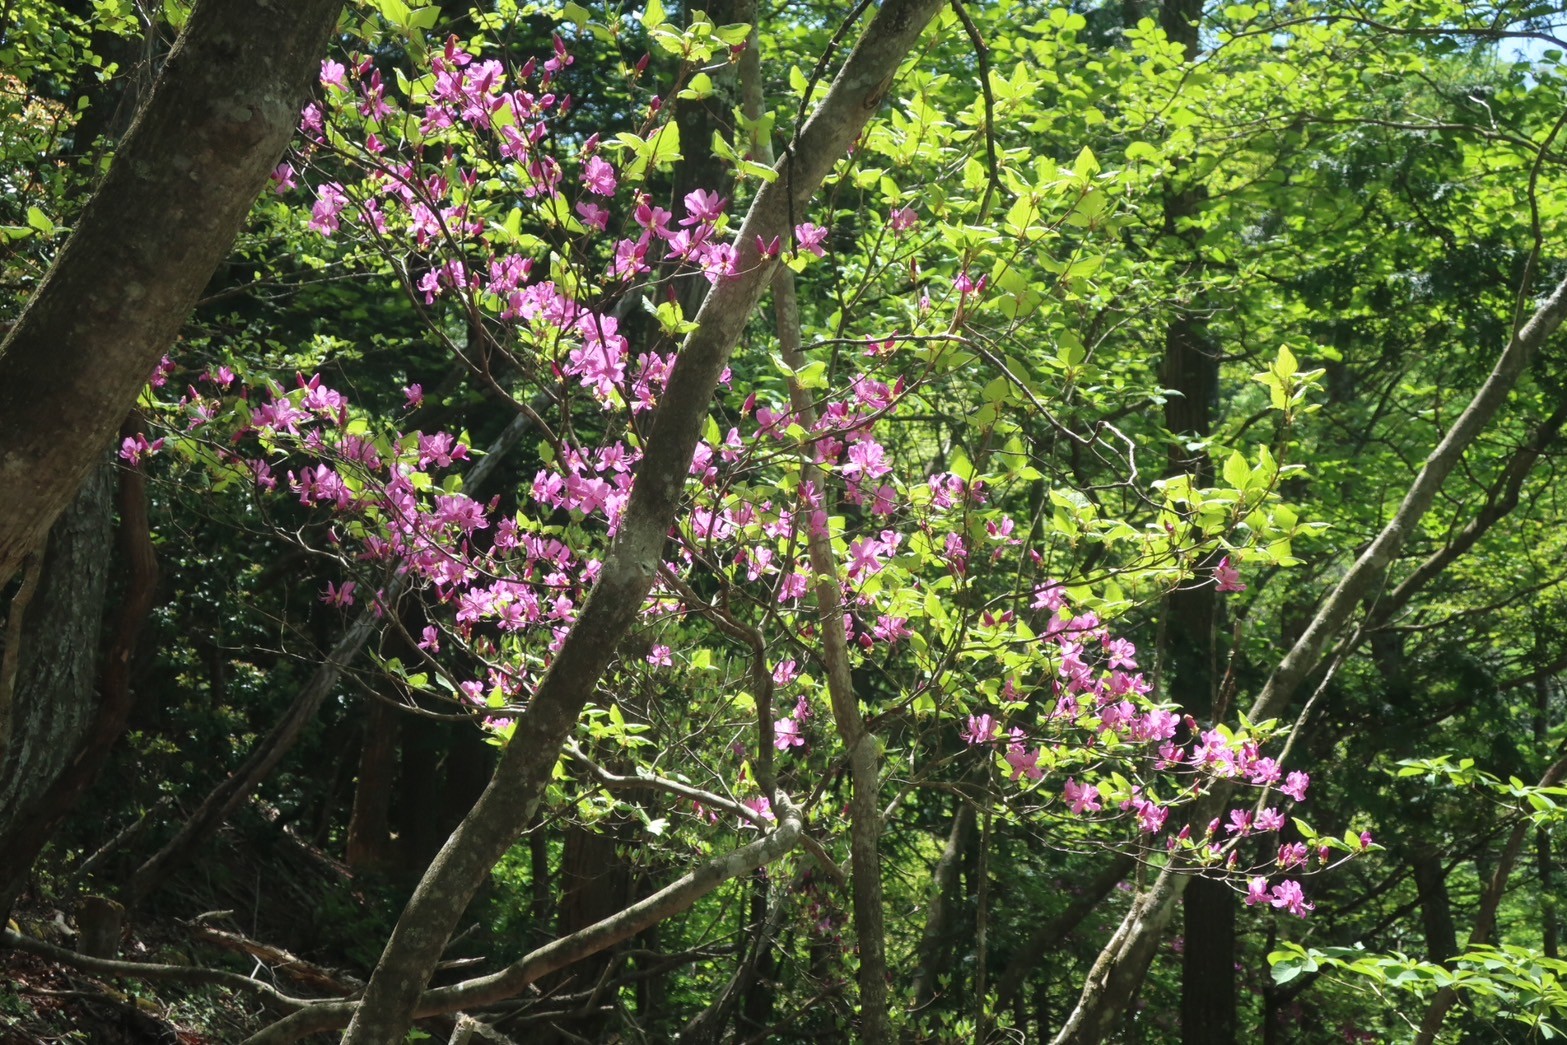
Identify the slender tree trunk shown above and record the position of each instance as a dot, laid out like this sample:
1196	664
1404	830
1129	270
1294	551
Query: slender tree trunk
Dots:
935	949
1436	914
370	823
1543	863
1191	625
1122	962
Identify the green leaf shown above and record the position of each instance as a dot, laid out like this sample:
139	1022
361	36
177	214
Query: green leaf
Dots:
37	219
653	14
700	86
1236	471
424	17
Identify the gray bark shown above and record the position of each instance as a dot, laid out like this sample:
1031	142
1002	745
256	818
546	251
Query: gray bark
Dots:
54	697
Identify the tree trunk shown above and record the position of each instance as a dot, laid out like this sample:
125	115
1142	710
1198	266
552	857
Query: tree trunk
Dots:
177	192
369	825
935	949
1436	914
53	696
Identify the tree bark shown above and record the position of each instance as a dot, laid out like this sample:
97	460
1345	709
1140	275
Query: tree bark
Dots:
54	692
935	949
369	825
176	194
1436	913
1189	653
110	700
633	559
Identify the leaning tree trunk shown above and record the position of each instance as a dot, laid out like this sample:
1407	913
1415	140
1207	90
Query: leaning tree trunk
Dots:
634	557
179	189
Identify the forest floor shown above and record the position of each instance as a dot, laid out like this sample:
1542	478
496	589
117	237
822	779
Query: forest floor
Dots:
268	905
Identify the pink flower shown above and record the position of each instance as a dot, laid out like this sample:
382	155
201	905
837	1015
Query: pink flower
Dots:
966	284
413	396
1024	762
1295	786
283	178
703	207
901	219
761	807
1256	892
330	201
1287	895
1150	815
891	629
659	657
598	177
981	729
1082	798
335	596
1292	855
1269	820
786	734
593	216
310	124
332	74
1228	578
811	237
134	450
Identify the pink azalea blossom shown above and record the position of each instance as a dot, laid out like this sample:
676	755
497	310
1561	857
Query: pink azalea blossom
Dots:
1287	895
1295	786
1227	577
786	734
598	176
981	729
1081	797
811	237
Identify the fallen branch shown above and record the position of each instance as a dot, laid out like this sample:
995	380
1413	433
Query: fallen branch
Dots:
305	973
499	986
152	973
